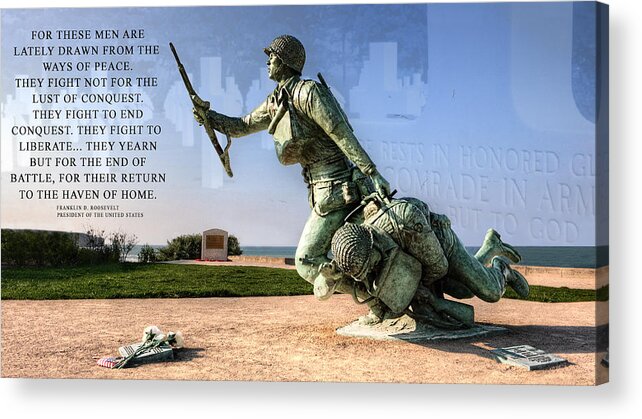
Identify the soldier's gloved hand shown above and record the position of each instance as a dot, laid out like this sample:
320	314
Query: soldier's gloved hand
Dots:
330	270
327	281
198	115
381	184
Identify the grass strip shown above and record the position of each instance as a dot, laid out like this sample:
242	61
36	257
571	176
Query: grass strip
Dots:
561	295
133	280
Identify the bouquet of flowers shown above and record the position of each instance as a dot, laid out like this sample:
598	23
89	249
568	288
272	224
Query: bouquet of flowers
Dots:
153	338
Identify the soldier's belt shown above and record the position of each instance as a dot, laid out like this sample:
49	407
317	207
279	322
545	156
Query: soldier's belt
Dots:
328	171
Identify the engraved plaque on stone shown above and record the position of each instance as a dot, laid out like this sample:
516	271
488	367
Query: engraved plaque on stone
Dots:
214	242
528	357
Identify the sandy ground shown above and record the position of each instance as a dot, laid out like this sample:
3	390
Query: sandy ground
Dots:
290	339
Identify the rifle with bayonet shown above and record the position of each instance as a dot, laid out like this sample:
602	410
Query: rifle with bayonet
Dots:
201	106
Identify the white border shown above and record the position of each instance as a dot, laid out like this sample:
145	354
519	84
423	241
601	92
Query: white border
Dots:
110	399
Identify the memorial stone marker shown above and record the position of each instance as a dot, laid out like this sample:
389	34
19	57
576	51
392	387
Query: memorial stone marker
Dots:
528	357
214	245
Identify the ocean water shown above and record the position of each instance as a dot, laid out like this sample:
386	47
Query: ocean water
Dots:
565	257
275	251
561	256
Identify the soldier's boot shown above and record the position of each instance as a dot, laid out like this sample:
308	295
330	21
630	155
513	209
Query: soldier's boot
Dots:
376	315
514	279
494	246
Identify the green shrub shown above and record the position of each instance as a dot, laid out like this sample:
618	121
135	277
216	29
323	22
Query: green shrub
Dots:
233	246
187	246
38	248
97	256
51	248
147	254
15	249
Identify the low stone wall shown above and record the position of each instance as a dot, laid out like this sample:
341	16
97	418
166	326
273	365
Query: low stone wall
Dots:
580	278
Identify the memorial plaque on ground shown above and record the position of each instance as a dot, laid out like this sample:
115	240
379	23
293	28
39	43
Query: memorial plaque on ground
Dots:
528	357
158	354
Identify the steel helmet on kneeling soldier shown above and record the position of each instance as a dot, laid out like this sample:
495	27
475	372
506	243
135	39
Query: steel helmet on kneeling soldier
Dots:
352	246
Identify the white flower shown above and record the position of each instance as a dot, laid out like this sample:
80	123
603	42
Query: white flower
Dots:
175	339
150	332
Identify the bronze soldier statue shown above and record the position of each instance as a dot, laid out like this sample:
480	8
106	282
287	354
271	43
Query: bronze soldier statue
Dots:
309	128
406	255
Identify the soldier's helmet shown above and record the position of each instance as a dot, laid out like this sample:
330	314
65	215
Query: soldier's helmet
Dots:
290	50
352	246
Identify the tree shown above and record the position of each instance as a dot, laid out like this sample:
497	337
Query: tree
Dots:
122	243
95	238
233	246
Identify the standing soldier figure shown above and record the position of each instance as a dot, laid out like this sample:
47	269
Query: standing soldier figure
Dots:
309	128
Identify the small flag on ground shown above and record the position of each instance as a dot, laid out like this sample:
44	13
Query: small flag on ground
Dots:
109	362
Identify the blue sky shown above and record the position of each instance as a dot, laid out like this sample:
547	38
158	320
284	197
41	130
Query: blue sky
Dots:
485	111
